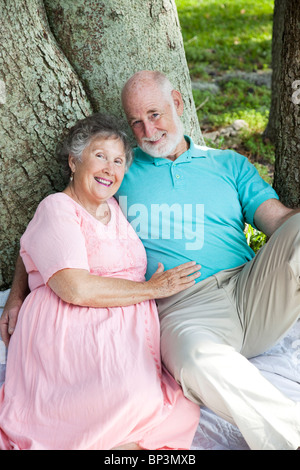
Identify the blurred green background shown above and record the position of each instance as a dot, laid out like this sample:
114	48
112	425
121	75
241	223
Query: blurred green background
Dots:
228	49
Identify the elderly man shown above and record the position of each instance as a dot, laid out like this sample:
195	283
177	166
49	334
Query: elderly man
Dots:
191	203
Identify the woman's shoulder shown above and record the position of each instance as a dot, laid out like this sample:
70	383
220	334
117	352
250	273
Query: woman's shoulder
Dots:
52	212
56	198
56	203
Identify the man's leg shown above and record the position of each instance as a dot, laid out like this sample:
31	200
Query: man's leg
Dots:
200	342
227	383
268	290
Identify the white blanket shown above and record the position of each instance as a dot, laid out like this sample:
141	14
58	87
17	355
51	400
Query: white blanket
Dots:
280	365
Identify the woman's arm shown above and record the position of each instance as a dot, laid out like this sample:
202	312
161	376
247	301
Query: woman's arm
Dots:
18	292
79	287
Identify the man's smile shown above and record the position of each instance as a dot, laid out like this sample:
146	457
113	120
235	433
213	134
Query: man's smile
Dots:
155	139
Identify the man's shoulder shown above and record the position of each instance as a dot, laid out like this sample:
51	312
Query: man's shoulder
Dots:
215	152
221	157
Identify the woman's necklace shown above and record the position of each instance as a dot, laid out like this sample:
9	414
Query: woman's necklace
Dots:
103	213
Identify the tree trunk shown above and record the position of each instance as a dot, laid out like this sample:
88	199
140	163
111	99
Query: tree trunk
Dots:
107	41
287	158
41	96
45	88
277	37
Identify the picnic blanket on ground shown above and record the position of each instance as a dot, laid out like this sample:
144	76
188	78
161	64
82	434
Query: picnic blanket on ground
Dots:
280	365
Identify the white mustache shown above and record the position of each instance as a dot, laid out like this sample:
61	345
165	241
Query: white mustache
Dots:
153	138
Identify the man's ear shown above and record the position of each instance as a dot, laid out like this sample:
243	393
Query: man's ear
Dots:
178	101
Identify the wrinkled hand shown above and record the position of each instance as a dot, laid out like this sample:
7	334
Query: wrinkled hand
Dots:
172	281
8	320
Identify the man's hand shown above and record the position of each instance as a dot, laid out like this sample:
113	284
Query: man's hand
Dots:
8	319
18	292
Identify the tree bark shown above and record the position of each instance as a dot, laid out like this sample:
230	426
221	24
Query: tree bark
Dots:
48	82
41	96
287	157
277	37
107	41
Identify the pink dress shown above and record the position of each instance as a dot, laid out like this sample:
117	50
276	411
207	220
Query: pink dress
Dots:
82	378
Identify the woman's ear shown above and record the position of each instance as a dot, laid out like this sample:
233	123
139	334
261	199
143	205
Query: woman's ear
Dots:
178	102
72	164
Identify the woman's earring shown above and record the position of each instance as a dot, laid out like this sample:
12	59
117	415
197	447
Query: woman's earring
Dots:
72	176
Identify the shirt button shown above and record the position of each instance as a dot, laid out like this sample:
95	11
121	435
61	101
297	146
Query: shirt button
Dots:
177	176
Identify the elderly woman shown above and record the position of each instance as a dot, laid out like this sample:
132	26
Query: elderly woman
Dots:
84	369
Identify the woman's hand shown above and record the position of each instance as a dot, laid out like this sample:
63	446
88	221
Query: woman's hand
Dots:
172	281
79	287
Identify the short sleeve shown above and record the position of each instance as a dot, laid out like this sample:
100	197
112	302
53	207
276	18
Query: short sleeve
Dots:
53	239
252	189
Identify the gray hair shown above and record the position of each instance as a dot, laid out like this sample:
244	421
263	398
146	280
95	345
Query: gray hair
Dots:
81	134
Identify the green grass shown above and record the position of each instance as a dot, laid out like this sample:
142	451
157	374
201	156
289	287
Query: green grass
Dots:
226	35
237	99
222	37
255	238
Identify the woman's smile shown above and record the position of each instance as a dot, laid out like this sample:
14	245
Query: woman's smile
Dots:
103	181
99	173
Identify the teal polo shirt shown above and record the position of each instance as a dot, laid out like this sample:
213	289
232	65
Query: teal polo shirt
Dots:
193	209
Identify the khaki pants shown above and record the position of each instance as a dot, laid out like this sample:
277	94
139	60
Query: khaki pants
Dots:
209	331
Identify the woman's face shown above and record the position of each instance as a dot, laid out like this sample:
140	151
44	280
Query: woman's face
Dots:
99	174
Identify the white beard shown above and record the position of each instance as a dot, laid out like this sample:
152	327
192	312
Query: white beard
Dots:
169	143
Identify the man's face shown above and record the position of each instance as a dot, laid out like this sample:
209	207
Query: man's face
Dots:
154	119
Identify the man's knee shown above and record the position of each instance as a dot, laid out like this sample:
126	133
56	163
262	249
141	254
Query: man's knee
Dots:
283	248
290	232
206	361
291	238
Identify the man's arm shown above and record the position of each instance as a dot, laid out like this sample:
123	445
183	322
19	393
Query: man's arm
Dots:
18	292
271	214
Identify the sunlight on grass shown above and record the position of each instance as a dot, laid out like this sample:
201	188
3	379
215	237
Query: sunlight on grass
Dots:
237	99
255	238
230	34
